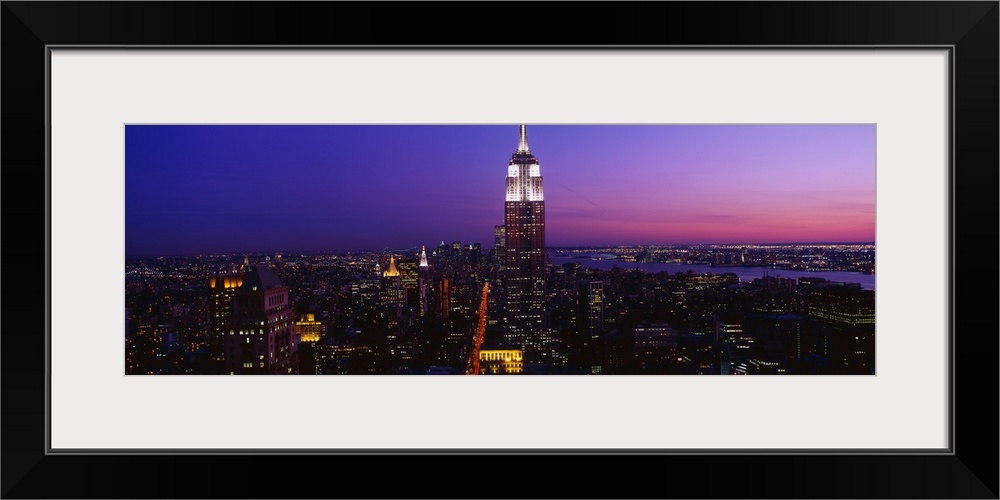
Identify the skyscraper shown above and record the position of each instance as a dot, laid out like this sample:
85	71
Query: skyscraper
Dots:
393	293
591	326
524	261
222	289
499	241
262	337
423	281
844	318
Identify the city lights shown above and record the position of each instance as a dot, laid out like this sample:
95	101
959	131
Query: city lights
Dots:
742	283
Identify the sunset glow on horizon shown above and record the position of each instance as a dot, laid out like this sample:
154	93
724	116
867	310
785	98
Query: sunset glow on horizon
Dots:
193	189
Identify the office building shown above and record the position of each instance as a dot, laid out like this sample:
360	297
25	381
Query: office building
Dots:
590	300
499	242
262	337
423	282
524	263
222	289
844	321
501	362
308	328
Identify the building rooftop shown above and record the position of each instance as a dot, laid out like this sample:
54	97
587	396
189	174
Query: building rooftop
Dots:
261	277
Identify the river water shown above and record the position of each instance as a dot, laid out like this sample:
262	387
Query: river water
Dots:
744	273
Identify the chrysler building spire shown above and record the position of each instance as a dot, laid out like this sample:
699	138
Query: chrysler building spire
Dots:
423	256
522	144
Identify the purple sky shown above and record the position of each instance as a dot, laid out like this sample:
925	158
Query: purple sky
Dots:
193	189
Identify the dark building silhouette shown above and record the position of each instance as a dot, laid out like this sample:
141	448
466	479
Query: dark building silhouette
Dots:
845	320
499	242
734	344
524	262
474	255
262	337
590	301
222	289
655	347
442	296
778	341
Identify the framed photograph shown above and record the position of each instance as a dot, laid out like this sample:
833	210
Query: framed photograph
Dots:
175	130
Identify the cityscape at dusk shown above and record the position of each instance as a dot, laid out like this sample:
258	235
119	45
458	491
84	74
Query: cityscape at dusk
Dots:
210	189
500	249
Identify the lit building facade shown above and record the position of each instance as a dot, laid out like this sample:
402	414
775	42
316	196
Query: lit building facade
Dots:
310	332
408	273
423	282
262	338
501	362
308	329
393	293
524	260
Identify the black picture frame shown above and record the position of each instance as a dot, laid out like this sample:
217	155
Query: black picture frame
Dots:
970	28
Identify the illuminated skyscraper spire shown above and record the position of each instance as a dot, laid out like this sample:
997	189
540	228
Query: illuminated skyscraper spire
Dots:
522	144
524	255
391	272
423	281
524	179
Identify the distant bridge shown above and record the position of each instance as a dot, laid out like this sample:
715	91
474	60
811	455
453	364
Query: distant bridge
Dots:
399	250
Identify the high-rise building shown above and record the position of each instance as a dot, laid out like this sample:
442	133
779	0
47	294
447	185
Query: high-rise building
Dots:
408	273
845	321
442	296
591	321
734	344
457	255
397	349
423	281
368	288
655	347
524	262
393	293
499	241
262	337
473	254
310	332
222	288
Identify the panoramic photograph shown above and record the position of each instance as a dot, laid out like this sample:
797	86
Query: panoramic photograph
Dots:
506	249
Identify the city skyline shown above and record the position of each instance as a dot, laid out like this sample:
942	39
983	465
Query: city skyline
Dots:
436	315
197	189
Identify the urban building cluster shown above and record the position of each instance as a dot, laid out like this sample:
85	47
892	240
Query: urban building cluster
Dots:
455	308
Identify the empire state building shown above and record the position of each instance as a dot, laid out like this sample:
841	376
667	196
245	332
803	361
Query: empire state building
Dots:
524	262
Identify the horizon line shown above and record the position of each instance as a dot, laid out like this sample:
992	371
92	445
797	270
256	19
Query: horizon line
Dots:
399	250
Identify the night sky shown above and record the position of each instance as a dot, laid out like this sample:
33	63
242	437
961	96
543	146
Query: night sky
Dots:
192	189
